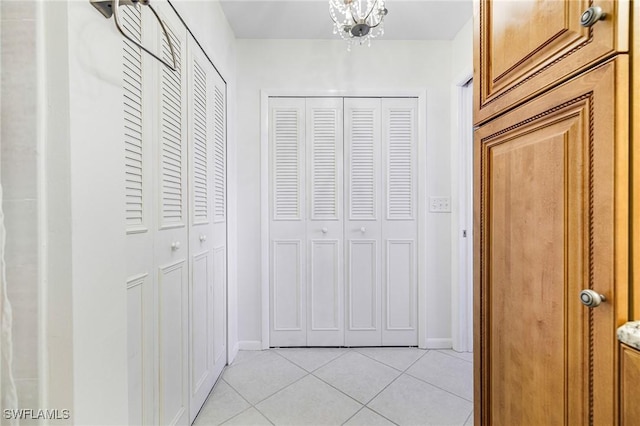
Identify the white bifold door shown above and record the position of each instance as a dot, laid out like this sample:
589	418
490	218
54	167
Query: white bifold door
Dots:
174	154
343	221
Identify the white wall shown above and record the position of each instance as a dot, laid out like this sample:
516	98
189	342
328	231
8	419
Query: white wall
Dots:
461	70
326	65
85	197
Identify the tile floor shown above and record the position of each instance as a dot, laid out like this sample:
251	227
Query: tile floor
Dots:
342	386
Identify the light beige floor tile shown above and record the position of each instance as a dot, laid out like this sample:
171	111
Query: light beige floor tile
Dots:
447	372
467	356
250	417
262	376
398	358
308	402
311	358
366	417
244	356
222	404
357	376
409	401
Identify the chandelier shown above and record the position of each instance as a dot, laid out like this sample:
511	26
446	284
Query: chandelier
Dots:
358	19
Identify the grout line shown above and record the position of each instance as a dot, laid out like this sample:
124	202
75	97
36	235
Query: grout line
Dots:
234	416
397	369
438	387
468	417
339	390
454	356
353	415
315	369
263	415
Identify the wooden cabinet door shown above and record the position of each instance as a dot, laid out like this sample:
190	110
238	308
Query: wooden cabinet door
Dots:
524	47
551	219
629	379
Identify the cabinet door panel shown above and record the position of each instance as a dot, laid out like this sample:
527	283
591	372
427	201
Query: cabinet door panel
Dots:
551	214
525	47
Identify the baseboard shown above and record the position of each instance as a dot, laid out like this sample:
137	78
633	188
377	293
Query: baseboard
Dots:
439	343
233	353
250	345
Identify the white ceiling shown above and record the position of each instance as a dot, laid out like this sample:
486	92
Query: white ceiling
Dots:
309	19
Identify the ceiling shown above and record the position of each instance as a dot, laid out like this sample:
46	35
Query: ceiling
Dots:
309	19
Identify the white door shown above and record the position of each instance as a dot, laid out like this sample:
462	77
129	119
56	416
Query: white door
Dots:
217	94
201	147
140	226
363	221
324	225
400	222
171	243
287	257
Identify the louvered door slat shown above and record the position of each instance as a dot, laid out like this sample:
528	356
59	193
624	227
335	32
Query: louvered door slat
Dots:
400	157
362	188
132	103
171	133
286	161
324	171
219	156
200	163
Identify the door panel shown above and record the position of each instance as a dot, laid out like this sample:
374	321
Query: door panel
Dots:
399	226
526	47
549	179
324	231
363	223
287	183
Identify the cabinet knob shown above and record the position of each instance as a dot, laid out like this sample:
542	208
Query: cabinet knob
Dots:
591	298
363	229
591	16
175	245
203	238
325	230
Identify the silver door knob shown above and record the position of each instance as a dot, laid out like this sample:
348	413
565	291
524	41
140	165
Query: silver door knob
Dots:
363	229
325	230
175	245
591	298
203	238
591	16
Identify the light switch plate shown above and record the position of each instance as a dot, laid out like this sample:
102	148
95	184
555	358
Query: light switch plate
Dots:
440	204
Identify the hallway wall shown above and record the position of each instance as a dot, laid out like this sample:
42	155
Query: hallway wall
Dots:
325	65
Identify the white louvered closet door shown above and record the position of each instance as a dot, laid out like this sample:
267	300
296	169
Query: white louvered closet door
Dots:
400	224
140	225
325	288
217	96
363	220
201	145
287	183
171	239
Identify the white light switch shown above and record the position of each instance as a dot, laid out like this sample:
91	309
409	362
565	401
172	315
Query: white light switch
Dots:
439	204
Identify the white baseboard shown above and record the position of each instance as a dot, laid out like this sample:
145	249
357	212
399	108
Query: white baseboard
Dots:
233	353
439	343
250	345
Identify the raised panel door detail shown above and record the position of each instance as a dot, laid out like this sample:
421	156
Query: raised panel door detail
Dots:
400	285
219	307
135	348
135	167
172	332
525	47
220	155
629	379
172	164
287	157
548	187
324	286
199	145
201	310
287	285
362	286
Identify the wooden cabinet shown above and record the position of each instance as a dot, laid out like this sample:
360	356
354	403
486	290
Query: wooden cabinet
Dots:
551	199
524	48
629	379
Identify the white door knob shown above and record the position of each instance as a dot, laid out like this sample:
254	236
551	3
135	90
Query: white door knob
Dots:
591	298
325	230
203	238
175	245
363	229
